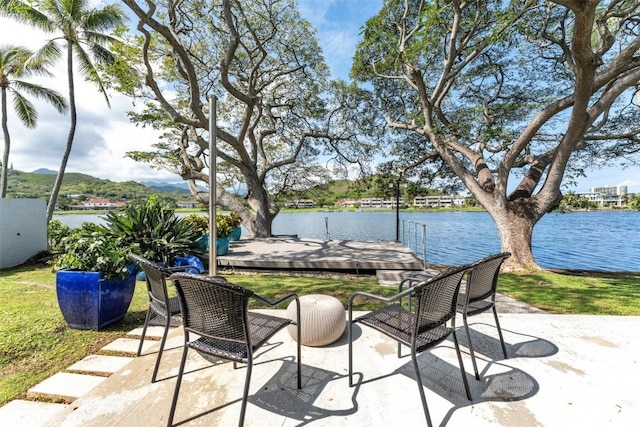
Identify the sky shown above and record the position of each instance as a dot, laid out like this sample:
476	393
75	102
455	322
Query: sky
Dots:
104	134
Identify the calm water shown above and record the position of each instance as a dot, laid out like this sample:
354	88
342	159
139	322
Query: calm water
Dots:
578	240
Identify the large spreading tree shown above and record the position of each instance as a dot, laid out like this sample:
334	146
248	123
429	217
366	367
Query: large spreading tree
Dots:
277	115
508	97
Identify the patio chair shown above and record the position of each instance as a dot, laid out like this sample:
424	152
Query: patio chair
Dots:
420	328
480	296
160	304
217	313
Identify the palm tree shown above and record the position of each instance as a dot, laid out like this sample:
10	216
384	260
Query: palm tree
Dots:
84	36
16	64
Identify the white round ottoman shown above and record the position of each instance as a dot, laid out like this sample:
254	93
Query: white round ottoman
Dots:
322	317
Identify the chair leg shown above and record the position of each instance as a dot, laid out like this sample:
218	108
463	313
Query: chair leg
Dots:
299	345
473	357
144	331
176	391
423	398
462	370
247	382
161	349
350	350
504	347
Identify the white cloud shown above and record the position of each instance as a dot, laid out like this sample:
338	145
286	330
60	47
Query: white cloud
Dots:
103	135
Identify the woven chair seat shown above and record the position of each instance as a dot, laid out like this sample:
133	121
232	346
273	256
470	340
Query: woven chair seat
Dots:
261	328
475	307
159	309
396	322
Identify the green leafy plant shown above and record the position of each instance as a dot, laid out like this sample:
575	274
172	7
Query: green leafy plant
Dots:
225	223
56	232
156	231
199	223
93	248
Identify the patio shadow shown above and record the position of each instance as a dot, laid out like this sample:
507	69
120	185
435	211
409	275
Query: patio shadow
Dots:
443	378
489	345
280	395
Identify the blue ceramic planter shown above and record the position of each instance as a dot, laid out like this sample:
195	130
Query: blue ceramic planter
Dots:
222	245
236	234
89	302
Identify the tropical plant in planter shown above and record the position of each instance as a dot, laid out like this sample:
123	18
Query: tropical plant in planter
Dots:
95	280
235	221
94	258
155	229
225	226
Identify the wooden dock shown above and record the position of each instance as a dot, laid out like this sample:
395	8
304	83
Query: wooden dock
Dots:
315	254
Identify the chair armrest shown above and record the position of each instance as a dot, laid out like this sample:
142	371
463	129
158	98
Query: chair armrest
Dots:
393	298
178	268
275	302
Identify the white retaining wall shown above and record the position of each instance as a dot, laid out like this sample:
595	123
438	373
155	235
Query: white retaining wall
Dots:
23	230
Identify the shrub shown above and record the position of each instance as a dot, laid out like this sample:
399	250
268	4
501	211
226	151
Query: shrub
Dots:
156	231
93	248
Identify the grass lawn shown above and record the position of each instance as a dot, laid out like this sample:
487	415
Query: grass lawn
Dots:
35	341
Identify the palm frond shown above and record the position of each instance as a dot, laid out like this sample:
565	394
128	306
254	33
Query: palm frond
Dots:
88	70
24	13
51	96
24	110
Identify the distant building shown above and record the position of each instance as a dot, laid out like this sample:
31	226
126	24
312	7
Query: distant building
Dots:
188	205
347	203
302	203
373	202
99	203
446	201
606	196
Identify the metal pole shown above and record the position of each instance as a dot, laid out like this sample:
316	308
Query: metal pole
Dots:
213	261
398	210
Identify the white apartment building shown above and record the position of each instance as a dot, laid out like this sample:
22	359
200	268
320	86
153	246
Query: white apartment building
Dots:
380	203
606	196
438	201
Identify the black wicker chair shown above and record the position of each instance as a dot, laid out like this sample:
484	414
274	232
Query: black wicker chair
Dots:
480	296
216	311
419	328
160	304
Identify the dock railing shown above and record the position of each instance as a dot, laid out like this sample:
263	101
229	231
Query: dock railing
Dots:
414	236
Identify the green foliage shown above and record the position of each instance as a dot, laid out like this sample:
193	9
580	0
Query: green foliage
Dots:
77	187
199	223
225	223
155	231
57	231
93	248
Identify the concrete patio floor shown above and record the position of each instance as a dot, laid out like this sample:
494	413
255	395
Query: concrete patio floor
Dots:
563	370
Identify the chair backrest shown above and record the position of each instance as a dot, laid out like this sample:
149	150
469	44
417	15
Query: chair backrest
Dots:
436	299
155	276
213	307
483	277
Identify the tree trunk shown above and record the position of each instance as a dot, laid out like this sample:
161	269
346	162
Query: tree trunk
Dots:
7	145
72	130
260	224
515	228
